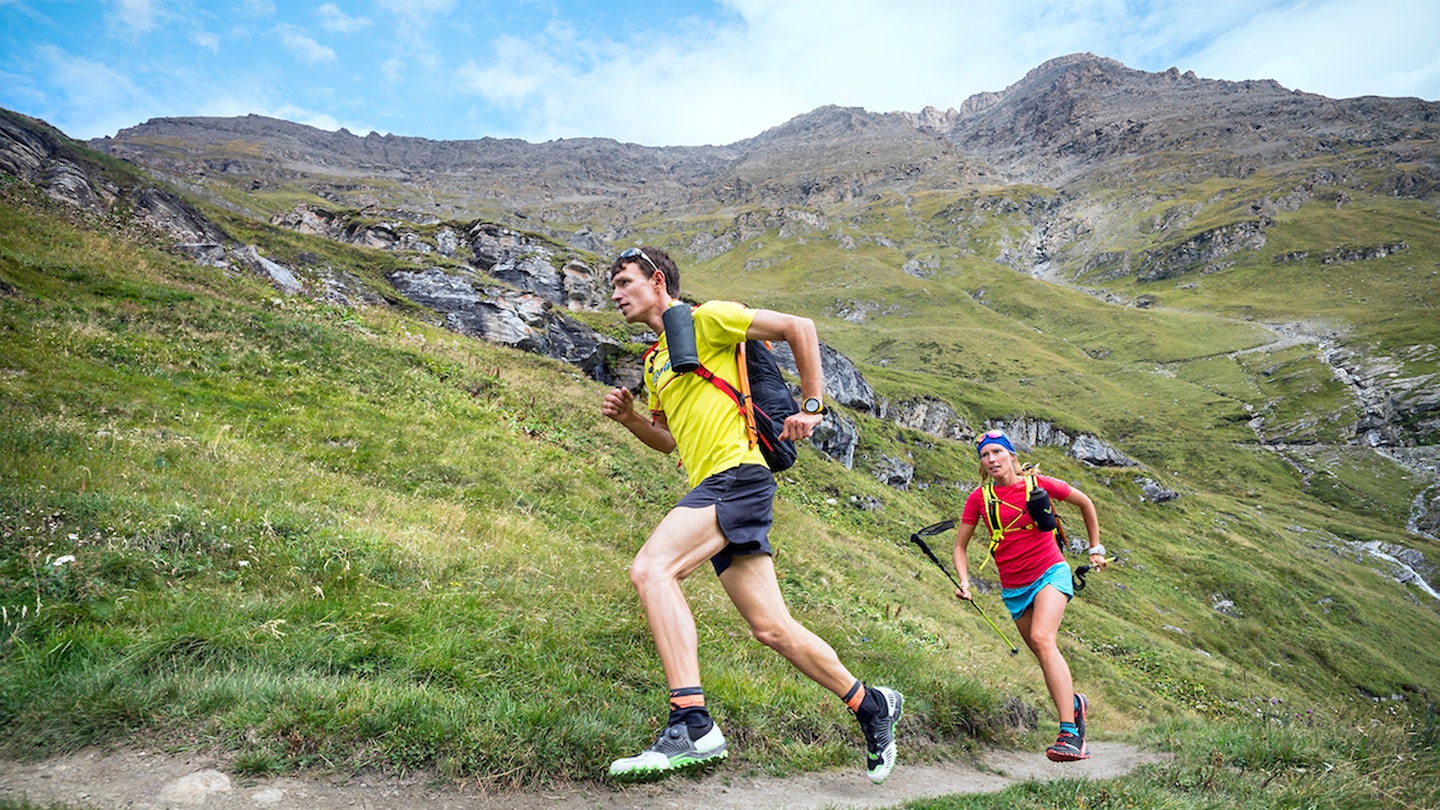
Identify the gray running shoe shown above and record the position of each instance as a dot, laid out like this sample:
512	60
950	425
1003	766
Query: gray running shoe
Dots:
1068	748
673	751
880	735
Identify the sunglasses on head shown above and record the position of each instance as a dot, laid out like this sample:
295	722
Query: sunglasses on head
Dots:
631	253
988	435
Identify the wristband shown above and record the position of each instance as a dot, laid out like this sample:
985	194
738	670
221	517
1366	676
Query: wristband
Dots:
1097	549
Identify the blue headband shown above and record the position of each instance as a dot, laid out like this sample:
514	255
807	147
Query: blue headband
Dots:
993	437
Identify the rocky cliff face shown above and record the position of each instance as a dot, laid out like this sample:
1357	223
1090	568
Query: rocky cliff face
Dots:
33	151
1071	115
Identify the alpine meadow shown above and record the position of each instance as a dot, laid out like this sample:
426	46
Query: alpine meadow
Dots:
302	459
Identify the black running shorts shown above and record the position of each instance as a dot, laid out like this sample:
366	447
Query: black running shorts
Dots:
743	498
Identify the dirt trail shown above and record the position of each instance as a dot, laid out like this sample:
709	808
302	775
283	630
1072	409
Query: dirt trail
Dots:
139	780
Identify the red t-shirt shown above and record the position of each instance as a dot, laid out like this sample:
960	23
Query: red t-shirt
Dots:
1024	554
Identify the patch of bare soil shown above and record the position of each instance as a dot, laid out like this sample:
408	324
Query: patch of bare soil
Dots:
141	780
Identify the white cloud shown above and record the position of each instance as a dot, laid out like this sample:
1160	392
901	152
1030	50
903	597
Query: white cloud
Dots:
303	46
95	100
393	70
136	15
411	29
206	40
1337	49
333	19
519	71
415	8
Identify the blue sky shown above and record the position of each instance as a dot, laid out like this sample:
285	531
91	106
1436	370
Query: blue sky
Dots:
684	72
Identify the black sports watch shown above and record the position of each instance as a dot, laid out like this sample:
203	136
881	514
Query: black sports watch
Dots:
812	405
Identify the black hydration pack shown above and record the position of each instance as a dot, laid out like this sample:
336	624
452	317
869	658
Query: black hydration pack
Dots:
763	398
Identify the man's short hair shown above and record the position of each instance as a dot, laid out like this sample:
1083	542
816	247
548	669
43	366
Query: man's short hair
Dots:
650	259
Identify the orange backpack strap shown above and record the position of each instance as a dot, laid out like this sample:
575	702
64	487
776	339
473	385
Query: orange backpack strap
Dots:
745	391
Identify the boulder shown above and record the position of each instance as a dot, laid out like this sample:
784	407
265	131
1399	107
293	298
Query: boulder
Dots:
931	416
1097	453
836	437
280	275
1154	492
843	381
894	472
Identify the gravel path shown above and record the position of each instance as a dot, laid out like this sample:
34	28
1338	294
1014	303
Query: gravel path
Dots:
140	780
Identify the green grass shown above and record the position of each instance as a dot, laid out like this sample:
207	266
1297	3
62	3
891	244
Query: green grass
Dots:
1282	756
317	537
347	539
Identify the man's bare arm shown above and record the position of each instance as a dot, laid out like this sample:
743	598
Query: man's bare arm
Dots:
619	404
799	333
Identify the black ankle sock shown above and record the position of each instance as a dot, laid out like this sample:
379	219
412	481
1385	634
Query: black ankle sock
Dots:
696	719
873	705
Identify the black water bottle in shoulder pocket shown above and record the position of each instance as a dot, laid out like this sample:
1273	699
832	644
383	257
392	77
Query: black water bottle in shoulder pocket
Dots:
1040	509
680	336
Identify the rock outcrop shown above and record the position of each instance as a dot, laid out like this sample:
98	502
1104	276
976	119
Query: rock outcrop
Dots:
536	266
36	153
1028	433
843	381
928	415
522	320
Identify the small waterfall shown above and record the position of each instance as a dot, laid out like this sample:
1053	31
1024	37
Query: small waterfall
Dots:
1402	571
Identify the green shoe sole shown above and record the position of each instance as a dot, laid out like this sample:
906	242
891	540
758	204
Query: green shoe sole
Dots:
684	764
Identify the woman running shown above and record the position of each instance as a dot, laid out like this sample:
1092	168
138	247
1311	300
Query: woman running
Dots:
1034	579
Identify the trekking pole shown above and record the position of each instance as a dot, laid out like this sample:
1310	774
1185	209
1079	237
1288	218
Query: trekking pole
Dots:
942	526
1080	573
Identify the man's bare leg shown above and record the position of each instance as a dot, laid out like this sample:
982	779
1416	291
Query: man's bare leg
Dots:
685	539
751	584
750	581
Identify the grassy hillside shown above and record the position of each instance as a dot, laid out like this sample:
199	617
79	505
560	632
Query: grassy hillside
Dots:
347	537
1174	389
314	536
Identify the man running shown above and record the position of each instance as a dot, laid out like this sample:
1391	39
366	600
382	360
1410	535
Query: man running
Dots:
726	516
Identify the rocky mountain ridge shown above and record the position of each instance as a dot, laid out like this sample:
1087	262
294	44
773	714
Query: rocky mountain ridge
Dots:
1062	120
1073	112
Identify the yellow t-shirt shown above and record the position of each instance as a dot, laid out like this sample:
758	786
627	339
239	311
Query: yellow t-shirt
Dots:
709	429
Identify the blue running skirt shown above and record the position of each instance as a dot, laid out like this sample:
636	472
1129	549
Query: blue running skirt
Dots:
1019	600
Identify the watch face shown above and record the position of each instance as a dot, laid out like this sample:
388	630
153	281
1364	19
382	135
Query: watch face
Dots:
812	405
